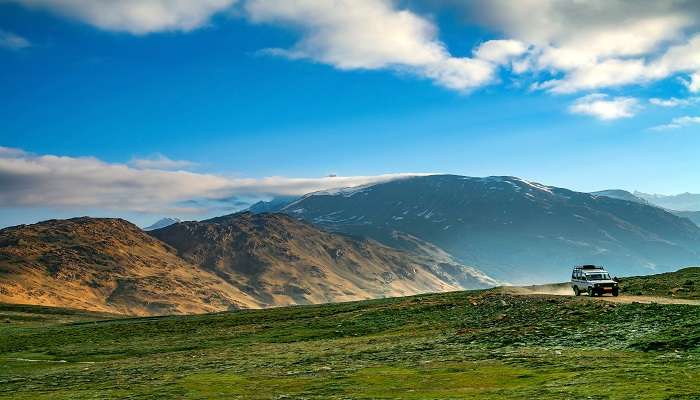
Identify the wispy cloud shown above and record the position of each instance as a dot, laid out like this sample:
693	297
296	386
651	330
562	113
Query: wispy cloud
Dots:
30	180
676	123
674	102
11	41
606	108
159	161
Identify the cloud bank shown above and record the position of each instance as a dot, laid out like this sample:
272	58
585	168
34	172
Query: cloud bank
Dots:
30	180
136	16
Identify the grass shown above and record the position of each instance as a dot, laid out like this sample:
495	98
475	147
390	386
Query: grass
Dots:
684	283
479	345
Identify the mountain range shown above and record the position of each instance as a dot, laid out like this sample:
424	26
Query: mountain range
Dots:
406	236
510	228
653	200
679	202
236	261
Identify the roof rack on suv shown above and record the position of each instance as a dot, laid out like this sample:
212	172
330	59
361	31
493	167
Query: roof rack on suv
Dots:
588	267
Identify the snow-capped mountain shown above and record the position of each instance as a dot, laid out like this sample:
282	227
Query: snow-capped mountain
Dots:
669	200
512	229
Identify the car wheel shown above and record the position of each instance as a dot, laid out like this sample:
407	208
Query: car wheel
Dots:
576	291
616	292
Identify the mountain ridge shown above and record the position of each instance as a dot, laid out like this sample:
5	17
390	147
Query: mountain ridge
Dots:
110	265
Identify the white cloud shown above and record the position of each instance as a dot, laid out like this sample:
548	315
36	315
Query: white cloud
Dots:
674	102
11	41
29	180
598	43
159	161
603	107
375	34
677	123
136	16
500	51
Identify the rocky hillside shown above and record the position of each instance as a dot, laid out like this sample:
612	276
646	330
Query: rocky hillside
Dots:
278	260
106	265
512	229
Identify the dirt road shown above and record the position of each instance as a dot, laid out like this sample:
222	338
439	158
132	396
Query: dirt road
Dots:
563	289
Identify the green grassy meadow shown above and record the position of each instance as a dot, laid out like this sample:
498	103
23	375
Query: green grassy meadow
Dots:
475	345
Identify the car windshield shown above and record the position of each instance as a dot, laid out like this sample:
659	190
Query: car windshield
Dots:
598	277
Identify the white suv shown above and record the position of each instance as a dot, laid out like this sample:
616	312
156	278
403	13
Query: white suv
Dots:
593	280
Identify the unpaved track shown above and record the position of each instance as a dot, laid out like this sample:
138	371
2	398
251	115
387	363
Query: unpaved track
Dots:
565	290
648	300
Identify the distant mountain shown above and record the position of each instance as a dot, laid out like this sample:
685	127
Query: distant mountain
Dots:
624	195
679	202
278	260
271	206
162	223
512	229
103	264
691	215
237	261
620	195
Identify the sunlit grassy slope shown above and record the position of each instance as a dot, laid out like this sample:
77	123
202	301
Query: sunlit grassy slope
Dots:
684	283
456	345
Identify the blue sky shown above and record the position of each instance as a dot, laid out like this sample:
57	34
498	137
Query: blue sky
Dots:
246	99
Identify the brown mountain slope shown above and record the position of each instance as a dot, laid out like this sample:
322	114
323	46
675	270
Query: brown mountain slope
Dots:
105	265
279	260
237	261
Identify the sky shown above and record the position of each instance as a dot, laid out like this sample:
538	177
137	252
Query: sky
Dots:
149	108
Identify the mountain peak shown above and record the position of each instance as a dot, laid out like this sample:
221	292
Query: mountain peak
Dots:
162	223
514	229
